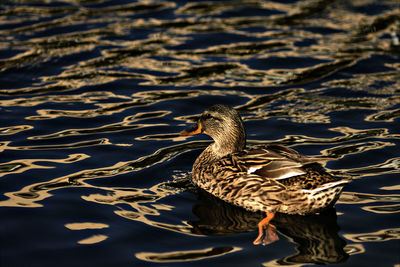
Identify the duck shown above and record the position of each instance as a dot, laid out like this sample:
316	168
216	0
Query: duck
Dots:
268	178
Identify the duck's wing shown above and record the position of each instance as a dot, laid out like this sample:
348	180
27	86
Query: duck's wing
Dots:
250	191
274	161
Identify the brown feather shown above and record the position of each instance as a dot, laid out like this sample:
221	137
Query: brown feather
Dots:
270	178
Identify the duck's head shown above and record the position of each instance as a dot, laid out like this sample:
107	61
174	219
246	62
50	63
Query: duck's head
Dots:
224	125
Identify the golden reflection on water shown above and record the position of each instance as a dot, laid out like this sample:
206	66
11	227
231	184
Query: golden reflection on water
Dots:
135	54
93	239
307	106
89	226
22	165
125	125
384	115
362	198
9	130
349	249
31	194
143	203
186	255
388	167
311	106
395	208
109	54
95	142
353	249
86	98
362	82
136	100
365	33
86	225
394	187
378	236
315	237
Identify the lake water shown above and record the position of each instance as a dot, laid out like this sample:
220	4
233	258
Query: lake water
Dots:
94	92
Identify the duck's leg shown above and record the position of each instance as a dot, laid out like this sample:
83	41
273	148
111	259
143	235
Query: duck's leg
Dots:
266	231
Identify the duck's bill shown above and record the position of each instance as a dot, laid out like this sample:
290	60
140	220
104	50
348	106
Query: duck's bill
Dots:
192	130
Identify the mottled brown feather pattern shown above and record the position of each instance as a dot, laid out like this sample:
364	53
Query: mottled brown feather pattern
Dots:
270	178
314	176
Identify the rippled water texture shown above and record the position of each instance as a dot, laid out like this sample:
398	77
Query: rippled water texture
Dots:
93	94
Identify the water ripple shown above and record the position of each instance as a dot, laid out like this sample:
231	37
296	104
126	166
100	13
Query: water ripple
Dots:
379	236
188	255
94	93
22	165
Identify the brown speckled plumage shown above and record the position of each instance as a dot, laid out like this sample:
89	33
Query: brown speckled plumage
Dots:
270	178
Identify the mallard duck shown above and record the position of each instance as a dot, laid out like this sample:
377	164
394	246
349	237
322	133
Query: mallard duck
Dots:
268	178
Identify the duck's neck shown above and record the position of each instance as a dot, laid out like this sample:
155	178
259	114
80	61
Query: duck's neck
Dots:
226	143
216	151
220	150
222	146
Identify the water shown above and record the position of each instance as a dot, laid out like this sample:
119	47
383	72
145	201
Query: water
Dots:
93	94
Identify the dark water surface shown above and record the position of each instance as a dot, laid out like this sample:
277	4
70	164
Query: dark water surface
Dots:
93	94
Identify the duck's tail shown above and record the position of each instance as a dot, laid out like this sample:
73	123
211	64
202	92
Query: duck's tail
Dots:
328	186
325	195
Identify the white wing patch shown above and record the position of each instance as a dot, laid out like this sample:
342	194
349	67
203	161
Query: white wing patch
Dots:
285	172
290	174
253	169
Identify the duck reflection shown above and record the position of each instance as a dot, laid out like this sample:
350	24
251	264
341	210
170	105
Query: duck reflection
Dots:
316	236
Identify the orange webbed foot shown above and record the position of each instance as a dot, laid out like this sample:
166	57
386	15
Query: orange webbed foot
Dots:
266	231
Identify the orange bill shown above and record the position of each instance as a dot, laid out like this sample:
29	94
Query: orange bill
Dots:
192	130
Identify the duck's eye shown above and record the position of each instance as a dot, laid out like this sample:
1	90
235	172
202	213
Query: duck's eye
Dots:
208	117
